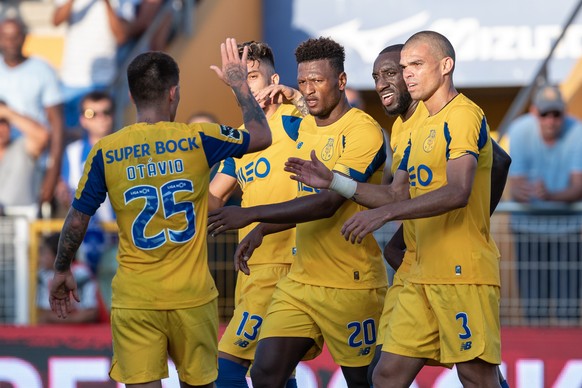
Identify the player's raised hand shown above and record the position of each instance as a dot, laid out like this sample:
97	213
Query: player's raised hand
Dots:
227	218
234	68
310	172
61	288
364	223
245	250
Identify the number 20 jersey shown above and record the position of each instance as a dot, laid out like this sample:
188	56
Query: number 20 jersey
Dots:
157	178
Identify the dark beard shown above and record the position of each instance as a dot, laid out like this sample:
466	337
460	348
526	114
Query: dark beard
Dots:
404	101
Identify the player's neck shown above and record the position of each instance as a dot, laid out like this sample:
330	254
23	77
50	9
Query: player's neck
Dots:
410	110
435	103
334	115
151	116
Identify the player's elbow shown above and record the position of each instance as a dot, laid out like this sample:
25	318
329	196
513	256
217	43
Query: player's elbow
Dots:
459	198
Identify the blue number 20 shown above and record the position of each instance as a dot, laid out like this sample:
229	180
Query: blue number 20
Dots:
170	207
368	330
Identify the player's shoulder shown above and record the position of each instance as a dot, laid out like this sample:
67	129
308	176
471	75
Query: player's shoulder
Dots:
462	108
288	110
362	117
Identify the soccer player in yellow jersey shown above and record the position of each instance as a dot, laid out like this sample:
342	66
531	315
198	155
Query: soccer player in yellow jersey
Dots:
262	179
396	100
448	307
156	174
334	290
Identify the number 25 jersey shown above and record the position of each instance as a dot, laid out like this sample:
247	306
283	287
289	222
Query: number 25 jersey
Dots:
157	178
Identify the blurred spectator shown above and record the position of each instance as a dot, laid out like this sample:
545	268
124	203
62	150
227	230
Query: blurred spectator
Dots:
202	117
546	149
146	12
30	87
355	98
19	167
96	28
9	9
86	311
96	120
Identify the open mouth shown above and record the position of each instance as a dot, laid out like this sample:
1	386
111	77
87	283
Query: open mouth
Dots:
387	98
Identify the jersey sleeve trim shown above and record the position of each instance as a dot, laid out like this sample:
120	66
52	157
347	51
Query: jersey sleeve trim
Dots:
228	167
93	190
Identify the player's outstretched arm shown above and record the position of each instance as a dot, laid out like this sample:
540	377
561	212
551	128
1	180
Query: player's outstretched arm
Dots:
234	73
311	207
315	174
64	283
454	195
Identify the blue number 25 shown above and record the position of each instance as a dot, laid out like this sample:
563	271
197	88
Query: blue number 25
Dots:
170	208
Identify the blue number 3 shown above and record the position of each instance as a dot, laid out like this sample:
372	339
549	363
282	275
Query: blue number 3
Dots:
170	207
465	324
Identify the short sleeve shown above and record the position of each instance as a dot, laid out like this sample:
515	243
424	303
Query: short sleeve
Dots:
364	152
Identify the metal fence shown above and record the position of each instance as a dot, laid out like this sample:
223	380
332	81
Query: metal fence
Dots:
541	266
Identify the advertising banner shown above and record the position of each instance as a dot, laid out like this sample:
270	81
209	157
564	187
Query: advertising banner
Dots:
80	357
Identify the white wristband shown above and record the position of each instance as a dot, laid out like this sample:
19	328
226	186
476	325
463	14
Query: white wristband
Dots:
343	185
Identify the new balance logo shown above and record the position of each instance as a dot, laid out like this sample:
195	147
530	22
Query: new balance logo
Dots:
242	343
466	345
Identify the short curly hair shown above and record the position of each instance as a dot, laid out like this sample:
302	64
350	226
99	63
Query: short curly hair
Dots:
258	51
321	48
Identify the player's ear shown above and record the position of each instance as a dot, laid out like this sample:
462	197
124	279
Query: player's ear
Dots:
174	92
342	80
448	64
275	79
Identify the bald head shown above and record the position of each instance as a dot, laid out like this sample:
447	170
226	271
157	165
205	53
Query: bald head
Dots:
441	46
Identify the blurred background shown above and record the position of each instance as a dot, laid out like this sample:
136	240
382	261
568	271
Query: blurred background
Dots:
506	52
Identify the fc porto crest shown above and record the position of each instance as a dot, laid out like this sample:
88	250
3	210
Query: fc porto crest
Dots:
327	151
428	144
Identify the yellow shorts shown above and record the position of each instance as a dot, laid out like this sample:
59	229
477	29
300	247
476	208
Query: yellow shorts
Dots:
389	302
253	296
449	323
345	319
143	339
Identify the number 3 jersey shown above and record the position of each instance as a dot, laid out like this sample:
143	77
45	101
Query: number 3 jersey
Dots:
157	178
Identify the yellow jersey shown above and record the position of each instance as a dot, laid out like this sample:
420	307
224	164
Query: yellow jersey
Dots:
263	181
399	139
353	145
157	177
455	247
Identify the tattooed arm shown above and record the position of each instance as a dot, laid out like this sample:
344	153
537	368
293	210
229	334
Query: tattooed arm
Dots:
64	283
234	74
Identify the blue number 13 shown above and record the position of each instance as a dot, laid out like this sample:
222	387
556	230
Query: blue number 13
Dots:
170	208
